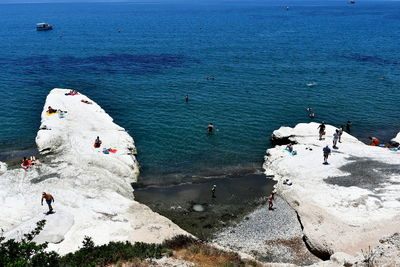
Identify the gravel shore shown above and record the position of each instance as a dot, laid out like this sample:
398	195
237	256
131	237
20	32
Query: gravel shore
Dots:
269	236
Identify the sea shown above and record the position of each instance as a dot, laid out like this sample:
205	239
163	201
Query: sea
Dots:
244	65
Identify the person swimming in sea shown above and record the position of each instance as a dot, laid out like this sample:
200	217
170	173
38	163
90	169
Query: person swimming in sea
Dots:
311	113
210	128
51	110
187	98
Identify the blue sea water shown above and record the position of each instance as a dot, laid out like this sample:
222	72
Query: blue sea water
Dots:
259	55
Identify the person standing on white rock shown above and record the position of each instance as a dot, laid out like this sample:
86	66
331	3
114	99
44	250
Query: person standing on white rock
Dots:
321	128
49	198
336	137
327	152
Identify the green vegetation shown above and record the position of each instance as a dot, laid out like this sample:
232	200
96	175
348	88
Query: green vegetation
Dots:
26	253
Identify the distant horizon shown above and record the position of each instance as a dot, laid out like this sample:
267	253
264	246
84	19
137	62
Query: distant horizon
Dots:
283	2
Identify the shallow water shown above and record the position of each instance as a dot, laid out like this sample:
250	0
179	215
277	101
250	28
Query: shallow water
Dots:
260	56
194	209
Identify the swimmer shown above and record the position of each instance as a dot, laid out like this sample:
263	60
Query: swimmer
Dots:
187	98
210	128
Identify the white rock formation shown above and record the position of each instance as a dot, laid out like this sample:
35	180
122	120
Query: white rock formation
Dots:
396	139
347	205
92	190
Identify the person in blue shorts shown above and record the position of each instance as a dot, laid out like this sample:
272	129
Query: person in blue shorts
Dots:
327	152
49	199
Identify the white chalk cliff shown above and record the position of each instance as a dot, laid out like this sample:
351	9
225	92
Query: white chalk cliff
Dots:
347	205
92	190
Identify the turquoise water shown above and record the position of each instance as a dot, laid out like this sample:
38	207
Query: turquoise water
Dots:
260	57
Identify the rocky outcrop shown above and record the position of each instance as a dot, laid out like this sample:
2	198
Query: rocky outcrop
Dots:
396	141
345	206
92	190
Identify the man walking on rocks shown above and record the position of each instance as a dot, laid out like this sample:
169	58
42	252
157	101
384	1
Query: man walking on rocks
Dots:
327	152
49	198
270	203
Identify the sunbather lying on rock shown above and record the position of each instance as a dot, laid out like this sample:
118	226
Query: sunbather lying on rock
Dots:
86	102
51	110
72	92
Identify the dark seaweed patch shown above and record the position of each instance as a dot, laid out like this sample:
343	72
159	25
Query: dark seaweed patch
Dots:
372	59
366	174
111	64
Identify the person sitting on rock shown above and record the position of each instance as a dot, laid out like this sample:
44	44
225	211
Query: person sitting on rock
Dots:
97	142
289	147
51	110
26	162
49	198
374	141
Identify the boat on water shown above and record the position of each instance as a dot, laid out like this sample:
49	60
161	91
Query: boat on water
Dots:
312	84
43	26
352	1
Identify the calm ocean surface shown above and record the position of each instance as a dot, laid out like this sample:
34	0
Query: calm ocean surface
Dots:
260	55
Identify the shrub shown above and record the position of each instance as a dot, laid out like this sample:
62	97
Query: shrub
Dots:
90	255
26	252
180	241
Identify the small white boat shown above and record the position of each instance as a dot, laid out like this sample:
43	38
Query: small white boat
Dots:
311	84
43	26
